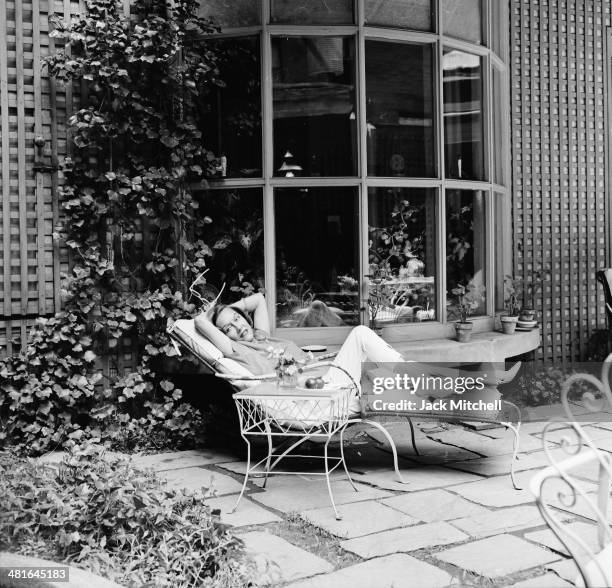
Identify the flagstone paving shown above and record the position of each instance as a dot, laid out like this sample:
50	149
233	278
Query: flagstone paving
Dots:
505	554
457	522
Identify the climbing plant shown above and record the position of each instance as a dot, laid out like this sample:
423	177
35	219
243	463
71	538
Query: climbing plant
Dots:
128	220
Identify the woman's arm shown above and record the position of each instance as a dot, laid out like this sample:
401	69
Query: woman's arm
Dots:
256	304
219	339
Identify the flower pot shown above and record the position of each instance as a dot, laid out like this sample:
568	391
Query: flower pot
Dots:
508	324
463	331
527	314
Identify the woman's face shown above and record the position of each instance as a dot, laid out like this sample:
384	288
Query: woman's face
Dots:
234	325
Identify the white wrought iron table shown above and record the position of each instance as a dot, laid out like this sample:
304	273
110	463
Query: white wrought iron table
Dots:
273	411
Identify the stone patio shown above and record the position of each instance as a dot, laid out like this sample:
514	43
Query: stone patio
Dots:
458	521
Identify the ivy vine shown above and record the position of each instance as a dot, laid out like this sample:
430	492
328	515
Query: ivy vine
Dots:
127	219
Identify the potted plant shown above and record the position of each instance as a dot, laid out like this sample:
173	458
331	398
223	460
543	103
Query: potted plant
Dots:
510	319
467	299
380	293
536	278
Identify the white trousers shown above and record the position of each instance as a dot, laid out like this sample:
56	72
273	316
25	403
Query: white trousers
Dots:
361	345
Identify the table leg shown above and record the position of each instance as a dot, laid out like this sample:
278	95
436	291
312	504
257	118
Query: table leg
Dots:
246	474
338	516
270	450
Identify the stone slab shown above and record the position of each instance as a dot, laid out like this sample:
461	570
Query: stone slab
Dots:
392	571
403	540
499	465
571	438
528	428
400	432
485	446
247	513
566	569
175	460
358	519
497	491
195	479
498	556
545	581
279	561
585	531
500	521
418	478
297	493
434	505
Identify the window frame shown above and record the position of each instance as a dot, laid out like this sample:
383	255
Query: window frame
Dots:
363	32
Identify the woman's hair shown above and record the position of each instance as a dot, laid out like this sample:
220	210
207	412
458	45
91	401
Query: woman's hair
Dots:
219	308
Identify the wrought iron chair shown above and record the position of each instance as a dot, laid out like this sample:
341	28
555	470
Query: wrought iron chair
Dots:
593	556
604	277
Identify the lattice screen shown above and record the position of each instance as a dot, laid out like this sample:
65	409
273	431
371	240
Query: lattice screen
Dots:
559	103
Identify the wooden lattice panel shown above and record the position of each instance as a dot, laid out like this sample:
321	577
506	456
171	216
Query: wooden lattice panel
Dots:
31	106
559	163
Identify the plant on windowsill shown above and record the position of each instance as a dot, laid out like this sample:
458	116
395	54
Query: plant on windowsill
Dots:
380	293
511	303
467	300
535	280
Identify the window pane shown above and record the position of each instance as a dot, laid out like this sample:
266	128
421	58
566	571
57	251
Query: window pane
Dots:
463	131
312	11
462	19
405	14
399	87
235	238
232	13
402	246
499	107
316	257
314	106
465	244
231	116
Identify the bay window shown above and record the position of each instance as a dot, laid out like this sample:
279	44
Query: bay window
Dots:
359	137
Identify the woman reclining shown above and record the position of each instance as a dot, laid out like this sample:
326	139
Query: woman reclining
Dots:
247	341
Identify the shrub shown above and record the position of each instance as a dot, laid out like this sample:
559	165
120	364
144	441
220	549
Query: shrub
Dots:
129	222
99	512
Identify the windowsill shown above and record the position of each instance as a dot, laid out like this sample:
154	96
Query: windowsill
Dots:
484	346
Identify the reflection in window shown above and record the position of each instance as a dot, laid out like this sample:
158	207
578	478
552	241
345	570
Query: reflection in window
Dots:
302	12
400	131
316	257
463	121
232	13
462	19
235	240
465	244
314	106
405	14
231	117
402	238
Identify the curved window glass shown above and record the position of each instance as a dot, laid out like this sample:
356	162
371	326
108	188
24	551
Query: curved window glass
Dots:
371	141
463	115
